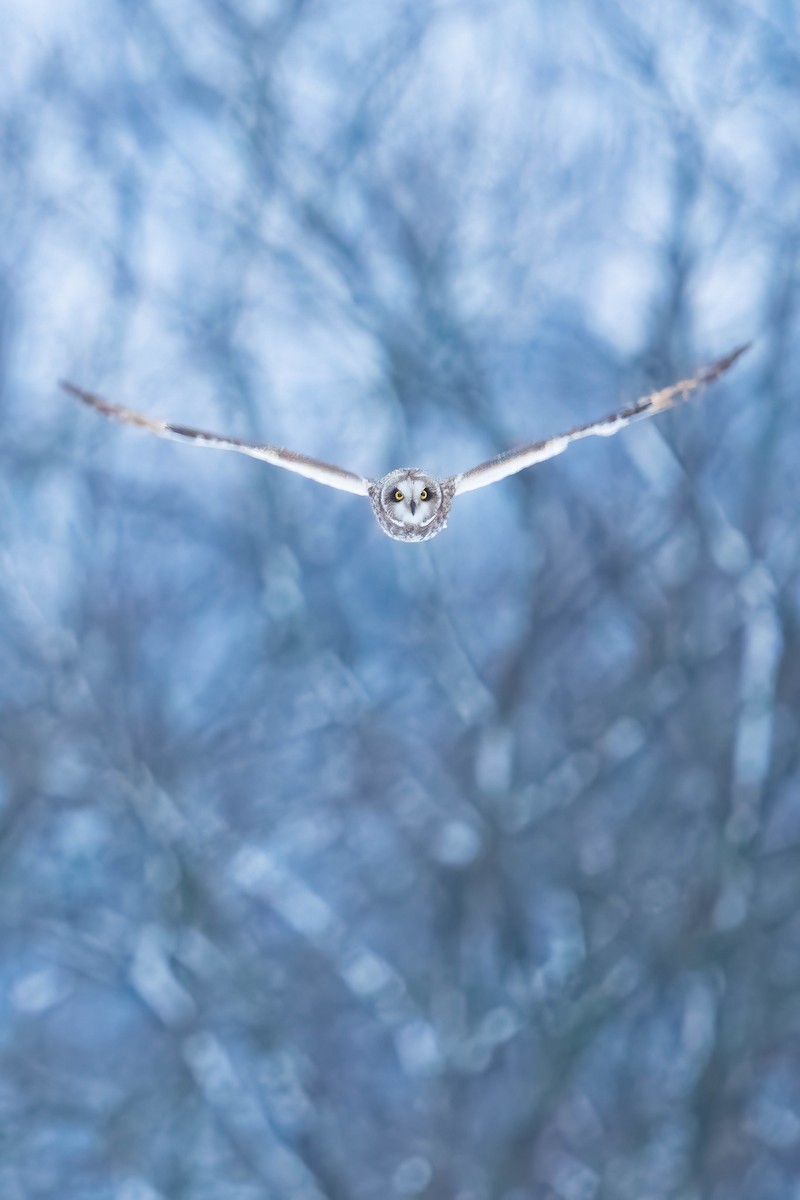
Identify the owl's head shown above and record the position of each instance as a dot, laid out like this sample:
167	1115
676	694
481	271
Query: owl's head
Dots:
410	505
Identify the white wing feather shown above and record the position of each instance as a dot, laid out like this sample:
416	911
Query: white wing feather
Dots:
301	464
518	459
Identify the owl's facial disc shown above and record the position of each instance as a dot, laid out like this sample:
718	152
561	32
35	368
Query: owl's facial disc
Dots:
410	505
412	501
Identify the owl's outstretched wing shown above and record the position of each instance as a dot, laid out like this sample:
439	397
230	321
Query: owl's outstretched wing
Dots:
534	452
312	468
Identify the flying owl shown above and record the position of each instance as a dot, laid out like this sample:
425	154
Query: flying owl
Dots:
411	505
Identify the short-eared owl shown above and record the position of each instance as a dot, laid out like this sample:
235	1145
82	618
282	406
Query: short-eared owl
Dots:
410	504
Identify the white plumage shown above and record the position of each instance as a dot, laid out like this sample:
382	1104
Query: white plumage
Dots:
409	504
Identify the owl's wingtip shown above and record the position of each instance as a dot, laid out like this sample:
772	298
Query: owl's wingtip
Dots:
721	365
88	398
731	358
73	390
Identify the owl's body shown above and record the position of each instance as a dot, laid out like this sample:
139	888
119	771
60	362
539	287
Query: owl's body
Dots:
409	504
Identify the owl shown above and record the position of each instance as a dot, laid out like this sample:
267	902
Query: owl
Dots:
410	504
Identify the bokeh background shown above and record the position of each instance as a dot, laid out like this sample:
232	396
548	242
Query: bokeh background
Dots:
338	869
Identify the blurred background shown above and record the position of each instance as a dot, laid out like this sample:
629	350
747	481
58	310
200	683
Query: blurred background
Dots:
333	868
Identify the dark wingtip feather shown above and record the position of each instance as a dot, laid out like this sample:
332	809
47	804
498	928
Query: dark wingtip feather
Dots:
86	397
724	364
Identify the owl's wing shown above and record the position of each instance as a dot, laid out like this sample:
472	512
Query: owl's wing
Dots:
516	460
312	468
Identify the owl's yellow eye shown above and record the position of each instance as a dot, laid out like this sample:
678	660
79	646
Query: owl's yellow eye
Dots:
398	495
423	494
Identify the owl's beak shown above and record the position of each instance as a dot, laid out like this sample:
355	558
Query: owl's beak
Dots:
413	507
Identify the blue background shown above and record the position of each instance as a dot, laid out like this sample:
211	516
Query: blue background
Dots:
337	868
